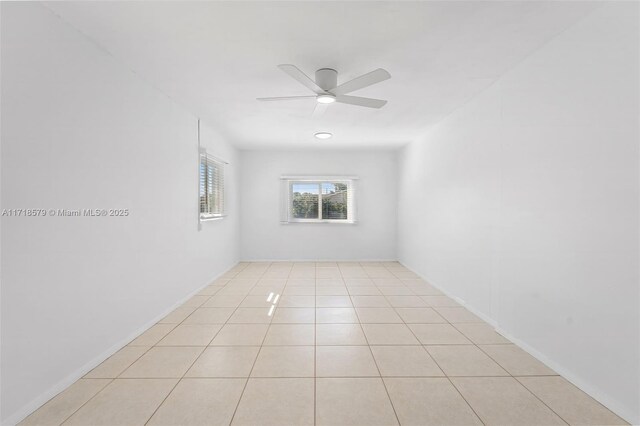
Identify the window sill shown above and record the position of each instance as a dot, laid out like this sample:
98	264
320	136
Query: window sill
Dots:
314	221
212	218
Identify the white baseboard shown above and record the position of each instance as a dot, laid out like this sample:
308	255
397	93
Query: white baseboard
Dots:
50	393
578	381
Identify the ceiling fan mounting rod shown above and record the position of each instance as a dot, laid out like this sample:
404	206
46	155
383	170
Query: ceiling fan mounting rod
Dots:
327	78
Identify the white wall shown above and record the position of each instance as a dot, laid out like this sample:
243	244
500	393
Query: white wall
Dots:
524	204
81	131
262	235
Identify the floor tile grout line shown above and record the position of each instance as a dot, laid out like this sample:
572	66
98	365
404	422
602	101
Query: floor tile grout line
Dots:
496	362
80	407
254	361
395	413
437	364
190	366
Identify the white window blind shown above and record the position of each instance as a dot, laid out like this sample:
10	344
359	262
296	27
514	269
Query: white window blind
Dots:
323	199
211	187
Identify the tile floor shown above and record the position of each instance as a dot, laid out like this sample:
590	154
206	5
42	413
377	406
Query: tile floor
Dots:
321	343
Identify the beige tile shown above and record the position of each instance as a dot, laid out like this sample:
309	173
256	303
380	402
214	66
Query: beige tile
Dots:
328	272
234	291
223	301
389	334
332	290
406	301
481	333
299	290
387	282
163	362
267	290
294	316
325	264
209	316
353	272
58	409
364	290
569	402
195	301
398	290
303	272
302	282
253	301
438	334
336	316
405	274
378	273
297	302
423	289
246	282
284	361
329	282
276	402
370	302
153	335
405	361
457	315
290	334
345	361
224	361
355	282
504	401
272	282
465	360
117	363
349	264
124	402
339	334
200	402
277	273
516	361
305	282
177	315
251	316
240	335
435	301
353	401
429	401
378	316
420	316
191	335
333	302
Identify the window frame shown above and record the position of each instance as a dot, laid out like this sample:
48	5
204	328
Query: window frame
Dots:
210	212
349	181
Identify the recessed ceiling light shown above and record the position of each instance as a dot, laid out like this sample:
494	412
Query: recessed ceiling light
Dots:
323	135
326	99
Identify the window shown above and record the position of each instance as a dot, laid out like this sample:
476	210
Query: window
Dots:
315	199
211	187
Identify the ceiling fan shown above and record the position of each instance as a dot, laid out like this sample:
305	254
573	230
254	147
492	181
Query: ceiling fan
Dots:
327	90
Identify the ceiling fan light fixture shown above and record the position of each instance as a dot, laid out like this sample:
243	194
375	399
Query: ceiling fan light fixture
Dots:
323	135
326	99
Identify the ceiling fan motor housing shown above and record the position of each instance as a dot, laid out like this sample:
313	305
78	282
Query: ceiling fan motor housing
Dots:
327	78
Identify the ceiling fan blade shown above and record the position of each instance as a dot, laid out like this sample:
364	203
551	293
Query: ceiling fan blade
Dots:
286	98
360	82
319	110
357	100
294	72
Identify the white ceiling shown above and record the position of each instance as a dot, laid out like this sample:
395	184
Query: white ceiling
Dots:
215	58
